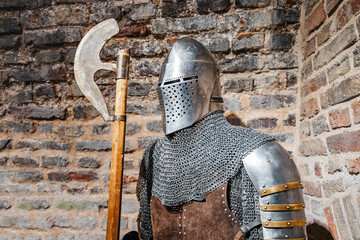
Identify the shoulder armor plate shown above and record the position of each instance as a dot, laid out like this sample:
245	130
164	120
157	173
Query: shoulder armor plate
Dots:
276	177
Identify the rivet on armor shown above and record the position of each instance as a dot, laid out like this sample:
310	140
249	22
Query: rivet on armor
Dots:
265	207
288	207
223	188
263	185
265	191
286	236
179	232
305	221
267	224
303	205
268	159
223	201
300	183
232	219
180	217
288	223
184	233
184	209
229	215
285	186
269	218
225	209
179	225
204	97
235	221
222	195
184	217
267	202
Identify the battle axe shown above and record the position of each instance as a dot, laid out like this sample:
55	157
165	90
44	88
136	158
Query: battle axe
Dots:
87	63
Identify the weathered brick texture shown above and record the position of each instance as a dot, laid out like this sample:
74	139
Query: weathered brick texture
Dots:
329	113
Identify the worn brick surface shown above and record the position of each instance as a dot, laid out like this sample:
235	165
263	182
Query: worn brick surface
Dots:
248	41
338	69
316	17
320	125
339	118
314	84
324	34
313	148
310	108
331	223
340	219
344	142
312	189
346	38
206	6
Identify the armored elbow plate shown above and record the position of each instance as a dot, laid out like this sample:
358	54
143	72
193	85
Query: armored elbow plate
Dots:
276	177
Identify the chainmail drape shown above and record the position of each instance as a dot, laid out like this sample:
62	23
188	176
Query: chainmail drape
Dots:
197	160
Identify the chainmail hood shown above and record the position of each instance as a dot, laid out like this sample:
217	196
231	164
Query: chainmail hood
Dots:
193	161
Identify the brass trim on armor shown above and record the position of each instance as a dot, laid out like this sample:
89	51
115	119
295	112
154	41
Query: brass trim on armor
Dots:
282	207
284	224
280	188
305	238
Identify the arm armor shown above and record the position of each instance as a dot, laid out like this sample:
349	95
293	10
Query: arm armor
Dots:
277	179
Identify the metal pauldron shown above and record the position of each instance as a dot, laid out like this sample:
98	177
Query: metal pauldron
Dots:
276	177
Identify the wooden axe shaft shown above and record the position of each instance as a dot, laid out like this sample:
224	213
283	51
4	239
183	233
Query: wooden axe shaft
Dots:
118	143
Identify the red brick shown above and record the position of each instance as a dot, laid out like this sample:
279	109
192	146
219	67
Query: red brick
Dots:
315	147
343	16
356	109
354	6
310	108
314	84
316	18
330	5
312	189
134	31
72	176
353	166
339	118
344	142
309	48
331	223
318	169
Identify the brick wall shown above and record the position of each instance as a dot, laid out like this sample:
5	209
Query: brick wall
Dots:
328	114
55	148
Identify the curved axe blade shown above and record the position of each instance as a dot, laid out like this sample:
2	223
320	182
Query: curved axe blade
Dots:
87	63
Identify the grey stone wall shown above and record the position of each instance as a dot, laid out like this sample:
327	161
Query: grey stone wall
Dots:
54	146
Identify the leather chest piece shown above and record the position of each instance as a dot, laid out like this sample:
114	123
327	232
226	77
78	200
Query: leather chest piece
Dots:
210	219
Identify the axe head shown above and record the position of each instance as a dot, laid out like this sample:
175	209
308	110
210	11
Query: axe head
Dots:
87	63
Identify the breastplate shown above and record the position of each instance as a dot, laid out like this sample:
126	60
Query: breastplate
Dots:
211	219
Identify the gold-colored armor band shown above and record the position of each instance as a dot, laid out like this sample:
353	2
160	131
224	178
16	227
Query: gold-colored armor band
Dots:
284	224
282	207
305	238
280	188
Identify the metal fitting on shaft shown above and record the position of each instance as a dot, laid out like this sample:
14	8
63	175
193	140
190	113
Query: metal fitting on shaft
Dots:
122	69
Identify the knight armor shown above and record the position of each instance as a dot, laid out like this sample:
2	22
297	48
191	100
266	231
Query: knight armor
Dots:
208	179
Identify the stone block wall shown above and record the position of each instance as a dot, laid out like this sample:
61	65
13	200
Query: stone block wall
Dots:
54	146
328	114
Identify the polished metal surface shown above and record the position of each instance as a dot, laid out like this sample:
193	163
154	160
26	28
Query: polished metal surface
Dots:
270	165
188	80
123	61
87	62
270	168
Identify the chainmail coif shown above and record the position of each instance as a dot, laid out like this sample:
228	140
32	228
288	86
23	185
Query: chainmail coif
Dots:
197	160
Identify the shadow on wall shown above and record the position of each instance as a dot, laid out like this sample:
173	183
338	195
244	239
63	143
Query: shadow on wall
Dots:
317	232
